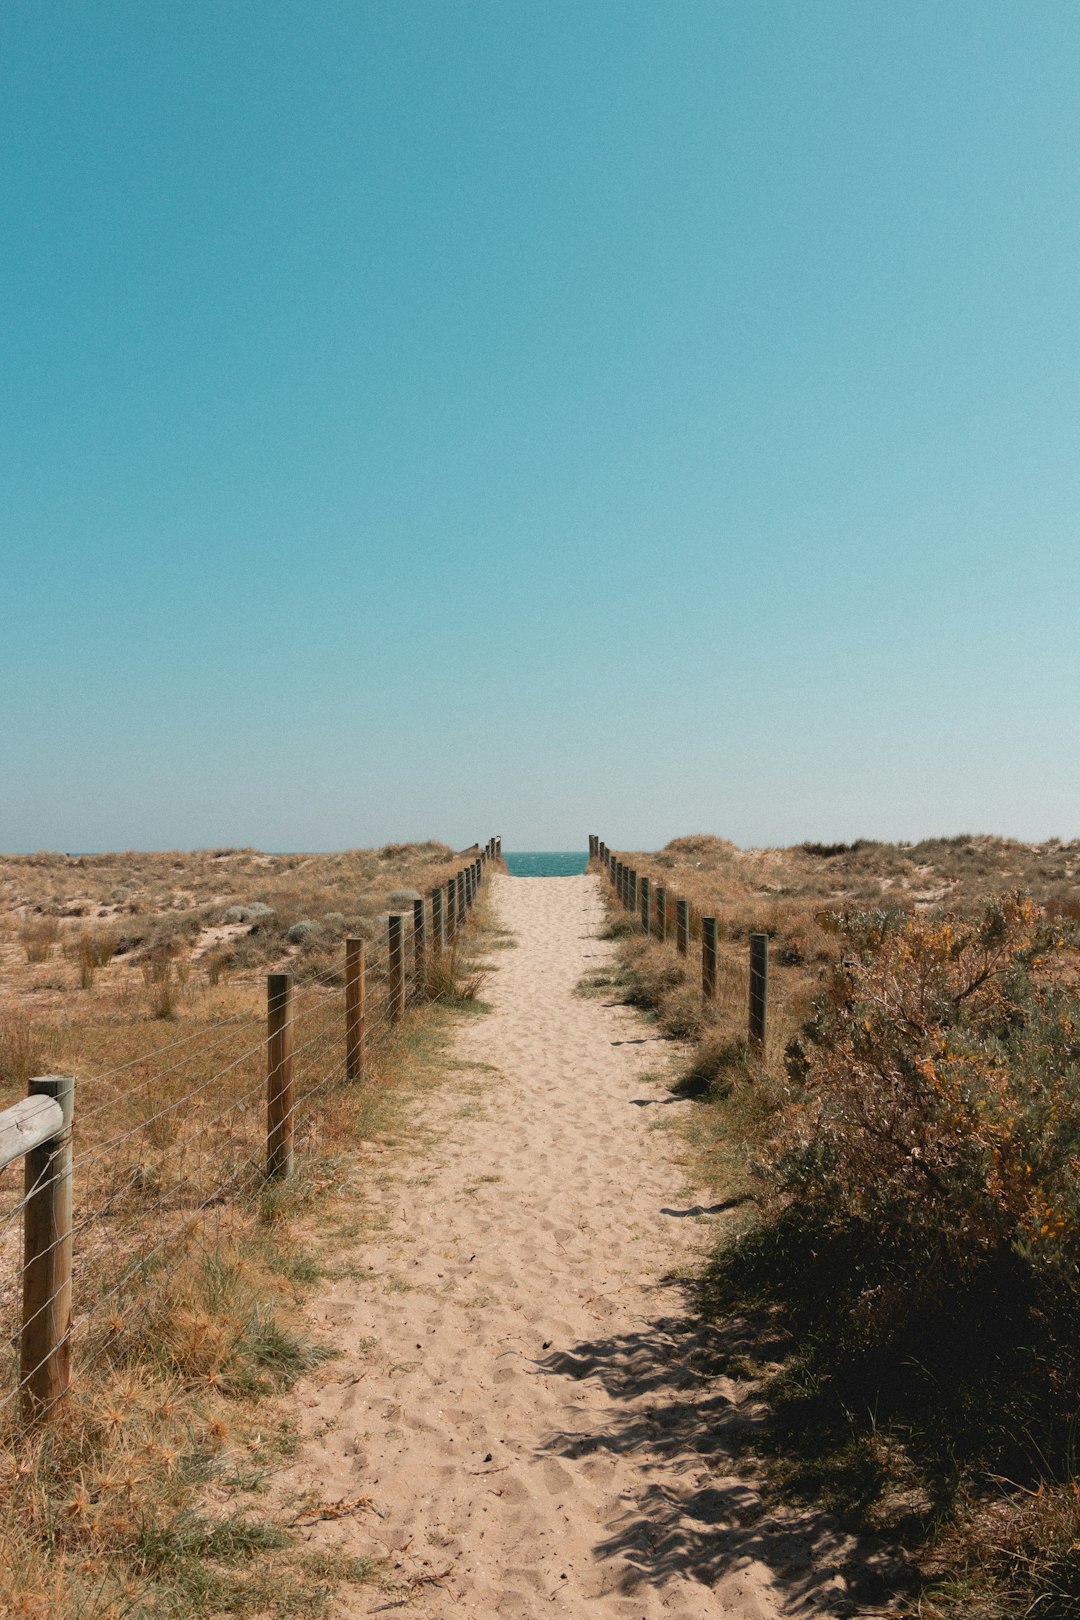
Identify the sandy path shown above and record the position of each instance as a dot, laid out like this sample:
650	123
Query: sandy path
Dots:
519	1391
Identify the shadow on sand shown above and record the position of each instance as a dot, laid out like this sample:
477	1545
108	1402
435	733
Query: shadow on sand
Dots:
675	1404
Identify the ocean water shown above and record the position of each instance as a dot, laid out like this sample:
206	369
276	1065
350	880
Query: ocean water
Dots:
546	863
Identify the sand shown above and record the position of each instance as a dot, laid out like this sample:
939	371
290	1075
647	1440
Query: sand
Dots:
523	1420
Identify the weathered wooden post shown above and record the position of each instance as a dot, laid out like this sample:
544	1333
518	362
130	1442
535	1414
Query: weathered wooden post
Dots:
45	1335
395	990
438	924
461	900
643	891
631	890
419	942
661	912
611	868
355	1009
280	1121
759	987
682	926
708	958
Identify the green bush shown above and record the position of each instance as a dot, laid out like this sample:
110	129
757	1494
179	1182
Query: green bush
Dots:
923	1226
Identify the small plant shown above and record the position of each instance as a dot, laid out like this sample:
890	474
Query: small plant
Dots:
161	982
302	931
27	1047
255	912
450	980
38	938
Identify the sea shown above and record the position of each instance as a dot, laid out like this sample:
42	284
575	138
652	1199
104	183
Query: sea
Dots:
546	863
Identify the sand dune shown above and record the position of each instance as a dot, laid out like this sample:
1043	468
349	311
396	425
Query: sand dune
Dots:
519	1393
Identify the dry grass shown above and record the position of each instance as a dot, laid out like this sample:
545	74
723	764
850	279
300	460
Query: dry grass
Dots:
189	1269
990	1547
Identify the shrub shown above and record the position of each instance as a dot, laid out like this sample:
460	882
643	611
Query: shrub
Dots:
402	899
302	930
255	912
924	1231
91	948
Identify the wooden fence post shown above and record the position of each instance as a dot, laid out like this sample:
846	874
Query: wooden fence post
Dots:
631	890
643	891
395	990
682	926
620	882
419	942
451	911
45	1335
661	912
759	987
355	1009
438	925
279	1075
708	958
461	899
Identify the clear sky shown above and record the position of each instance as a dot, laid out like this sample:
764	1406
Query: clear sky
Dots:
422	418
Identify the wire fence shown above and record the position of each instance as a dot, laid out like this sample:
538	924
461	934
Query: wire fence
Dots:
665	916
168	1149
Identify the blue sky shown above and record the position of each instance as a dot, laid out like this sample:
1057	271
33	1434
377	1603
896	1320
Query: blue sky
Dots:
433	419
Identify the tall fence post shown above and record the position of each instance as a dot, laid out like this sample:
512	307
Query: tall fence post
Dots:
395	990
631	890
661	912
451	911
279	1075
620	888
461	900
355	1009
646	919
682	926
419	940
759	987
708	958
438	925
45	1335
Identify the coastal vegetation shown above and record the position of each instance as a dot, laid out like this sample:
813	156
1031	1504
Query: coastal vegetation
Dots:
903	1158
144	976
